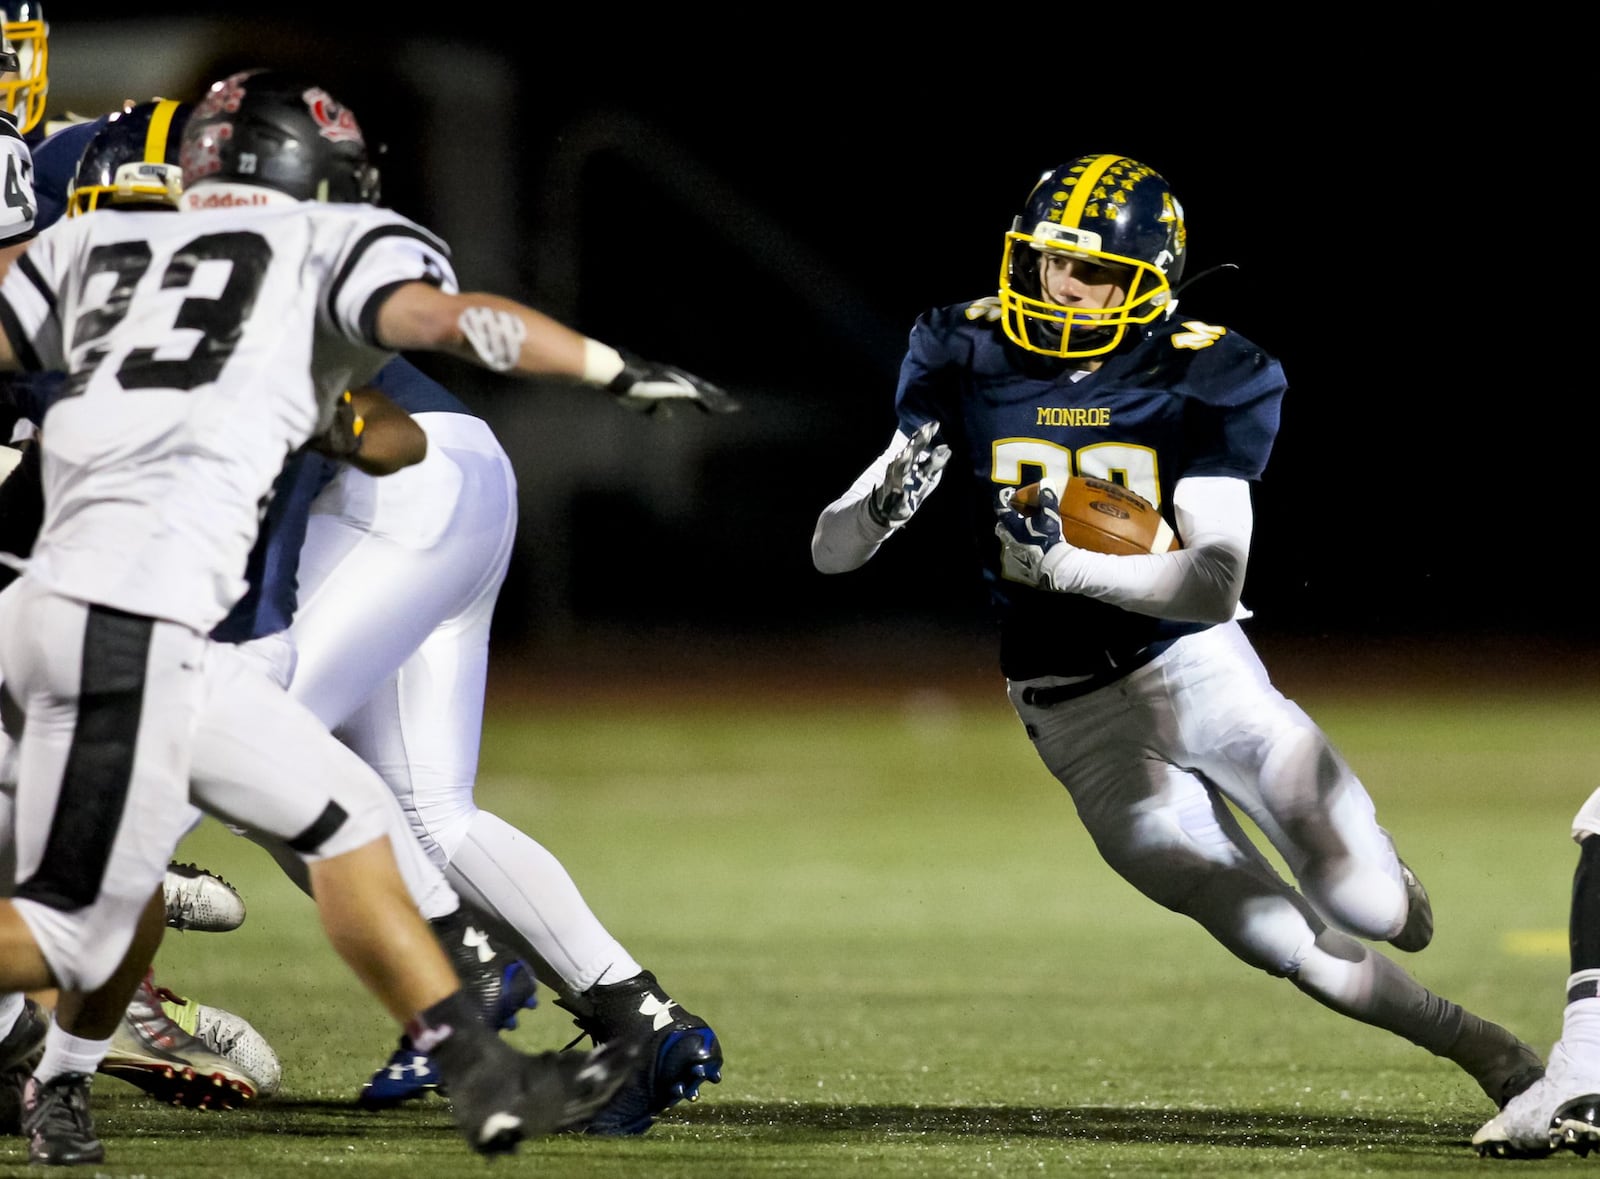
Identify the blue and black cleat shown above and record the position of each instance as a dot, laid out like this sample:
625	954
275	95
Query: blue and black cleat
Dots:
500	985
678	1052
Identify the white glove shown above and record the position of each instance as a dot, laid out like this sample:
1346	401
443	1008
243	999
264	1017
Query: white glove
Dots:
1031	547
910	479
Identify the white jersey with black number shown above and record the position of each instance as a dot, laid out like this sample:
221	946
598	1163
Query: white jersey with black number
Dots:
202	347
18	207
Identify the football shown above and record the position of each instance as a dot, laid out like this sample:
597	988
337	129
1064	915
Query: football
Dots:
1103	517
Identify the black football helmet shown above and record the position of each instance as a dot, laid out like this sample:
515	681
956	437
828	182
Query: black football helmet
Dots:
278	131
133	159
24	63
1109	210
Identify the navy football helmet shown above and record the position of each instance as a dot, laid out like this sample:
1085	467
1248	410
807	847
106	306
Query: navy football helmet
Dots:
1108	210
133	159
24	63
278	131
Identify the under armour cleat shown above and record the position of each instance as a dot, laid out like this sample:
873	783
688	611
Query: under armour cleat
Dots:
201	900
507	1096
1417	932
500	985
230	1036
408	1076
678	1051
20	1051
57	1123
152	1052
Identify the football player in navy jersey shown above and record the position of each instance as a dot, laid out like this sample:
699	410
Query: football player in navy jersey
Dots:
1131	674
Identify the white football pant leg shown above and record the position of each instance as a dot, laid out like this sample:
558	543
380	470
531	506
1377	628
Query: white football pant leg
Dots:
102	782
1147	761
264	763
399	576
1276	765
1139	759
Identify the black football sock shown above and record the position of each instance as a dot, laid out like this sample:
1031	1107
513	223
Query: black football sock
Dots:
451	1033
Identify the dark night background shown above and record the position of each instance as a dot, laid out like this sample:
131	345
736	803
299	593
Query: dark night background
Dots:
769	200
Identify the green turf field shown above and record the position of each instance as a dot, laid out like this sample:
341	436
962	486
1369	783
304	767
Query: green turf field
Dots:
916	961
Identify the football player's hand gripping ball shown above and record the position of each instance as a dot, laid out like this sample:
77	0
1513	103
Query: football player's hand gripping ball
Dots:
910	479
647	386
1031	546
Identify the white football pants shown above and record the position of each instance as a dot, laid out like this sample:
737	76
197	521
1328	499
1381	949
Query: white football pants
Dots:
1149	761
126	719
398	581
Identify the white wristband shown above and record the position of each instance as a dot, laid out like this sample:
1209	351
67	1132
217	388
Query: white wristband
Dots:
601	362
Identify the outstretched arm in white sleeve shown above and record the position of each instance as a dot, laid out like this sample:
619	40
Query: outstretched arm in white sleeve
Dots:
879	502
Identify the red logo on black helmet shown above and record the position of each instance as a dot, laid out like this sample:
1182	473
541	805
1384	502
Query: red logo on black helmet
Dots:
334	122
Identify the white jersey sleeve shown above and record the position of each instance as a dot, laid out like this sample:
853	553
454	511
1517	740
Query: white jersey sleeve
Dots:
204	346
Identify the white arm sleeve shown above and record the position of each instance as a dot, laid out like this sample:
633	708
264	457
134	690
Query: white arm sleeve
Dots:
846	536
1201	582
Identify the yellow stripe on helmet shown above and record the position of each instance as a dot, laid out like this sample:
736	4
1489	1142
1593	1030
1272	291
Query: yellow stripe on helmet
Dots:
155	140
1083	190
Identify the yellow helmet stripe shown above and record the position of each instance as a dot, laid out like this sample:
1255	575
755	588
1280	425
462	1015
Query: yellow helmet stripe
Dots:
1083	190
155	141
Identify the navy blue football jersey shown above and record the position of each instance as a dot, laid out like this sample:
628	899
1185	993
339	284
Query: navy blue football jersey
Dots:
55	163
1189	399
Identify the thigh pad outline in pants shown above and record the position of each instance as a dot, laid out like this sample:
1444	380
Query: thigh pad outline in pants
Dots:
1272	761
1161	826
263	762
101	800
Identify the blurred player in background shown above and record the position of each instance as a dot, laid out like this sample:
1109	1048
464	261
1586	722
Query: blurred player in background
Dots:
1562	1110
154	1046
1130	674
261	153
392	592
197	898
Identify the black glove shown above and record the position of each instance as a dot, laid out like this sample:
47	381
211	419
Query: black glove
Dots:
647	386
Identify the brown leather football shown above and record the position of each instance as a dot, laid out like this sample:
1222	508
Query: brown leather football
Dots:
1104	517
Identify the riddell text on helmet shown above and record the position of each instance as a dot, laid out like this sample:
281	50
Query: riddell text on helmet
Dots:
224	199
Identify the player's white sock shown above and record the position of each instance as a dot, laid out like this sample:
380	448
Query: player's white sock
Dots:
66	1053
1580	1023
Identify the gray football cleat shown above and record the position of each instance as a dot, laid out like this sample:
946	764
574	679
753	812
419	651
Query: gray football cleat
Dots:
230	1036
150	1051
201	900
